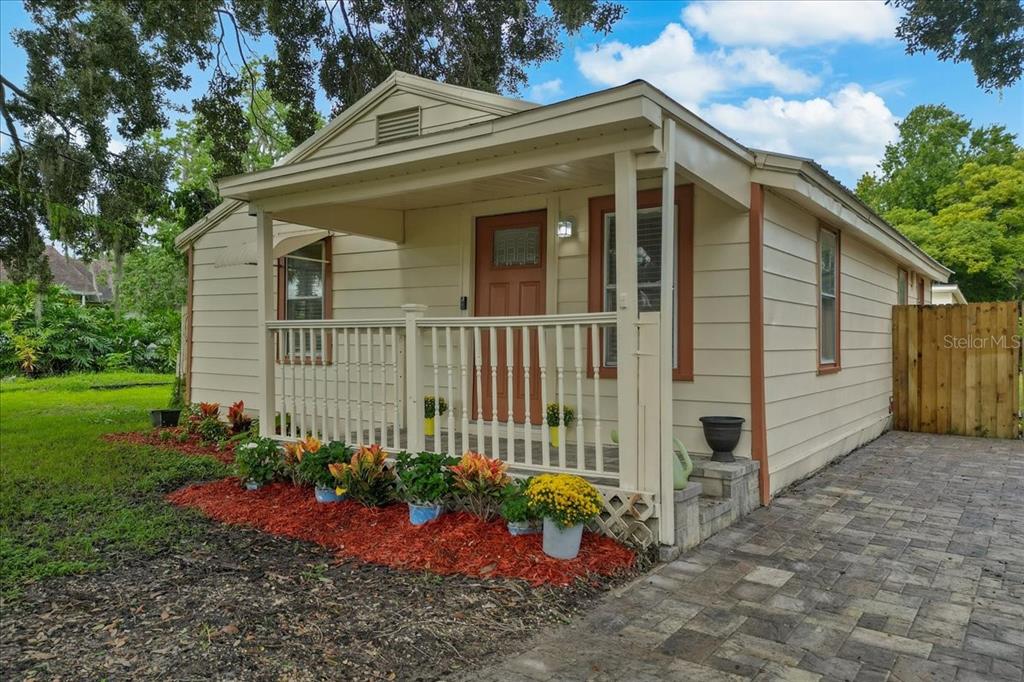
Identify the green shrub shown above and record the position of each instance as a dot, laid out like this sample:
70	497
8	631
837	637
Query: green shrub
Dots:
71	337
515	505
258	460
212	429
425	478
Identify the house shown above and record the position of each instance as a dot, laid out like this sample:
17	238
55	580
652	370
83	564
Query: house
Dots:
947	294
87	282
436	240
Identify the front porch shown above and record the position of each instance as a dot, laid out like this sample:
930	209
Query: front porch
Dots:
364	378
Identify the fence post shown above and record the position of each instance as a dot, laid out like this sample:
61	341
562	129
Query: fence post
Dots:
413	384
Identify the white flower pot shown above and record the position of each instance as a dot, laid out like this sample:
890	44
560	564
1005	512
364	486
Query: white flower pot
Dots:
562	543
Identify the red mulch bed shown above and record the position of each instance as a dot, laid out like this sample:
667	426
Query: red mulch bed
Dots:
456	543
192	446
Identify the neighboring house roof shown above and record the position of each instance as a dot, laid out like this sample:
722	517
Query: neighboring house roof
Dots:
951	290
77	276
798	177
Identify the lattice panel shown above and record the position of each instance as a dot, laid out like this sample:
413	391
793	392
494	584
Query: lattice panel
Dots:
627	517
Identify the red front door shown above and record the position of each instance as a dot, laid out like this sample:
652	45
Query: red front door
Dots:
510	281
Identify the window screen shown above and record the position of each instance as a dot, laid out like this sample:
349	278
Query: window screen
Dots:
648	264
827	257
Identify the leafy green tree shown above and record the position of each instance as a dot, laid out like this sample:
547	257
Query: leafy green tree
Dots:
934	142
987	33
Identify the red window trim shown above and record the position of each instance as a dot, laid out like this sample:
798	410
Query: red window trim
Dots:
599	206
328	303
830	367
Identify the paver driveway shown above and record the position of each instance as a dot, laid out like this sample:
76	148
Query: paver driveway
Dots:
904	561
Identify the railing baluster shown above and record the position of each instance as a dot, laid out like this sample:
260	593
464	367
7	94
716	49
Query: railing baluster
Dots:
510	398
542	352
323	361
279	353
359	388
451	389
312	366
337	384
478	371
293	423
464	386
394	376
492	341
381	346
527	424
348	386
581	450
595	360
302	379
437	391
560	392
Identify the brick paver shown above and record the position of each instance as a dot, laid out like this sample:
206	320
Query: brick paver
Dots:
904	561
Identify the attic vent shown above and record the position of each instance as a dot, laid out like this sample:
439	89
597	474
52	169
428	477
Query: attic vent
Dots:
398	125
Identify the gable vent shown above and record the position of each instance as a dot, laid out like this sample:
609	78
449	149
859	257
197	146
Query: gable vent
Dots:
398	125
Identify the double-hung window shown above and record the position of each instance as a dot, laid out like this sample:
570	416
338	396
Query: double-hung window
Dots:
304	294
604	282
828	300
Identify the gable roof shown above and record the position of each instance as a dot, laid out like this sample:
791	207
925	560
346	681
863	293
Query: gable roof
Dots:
397	82
77	276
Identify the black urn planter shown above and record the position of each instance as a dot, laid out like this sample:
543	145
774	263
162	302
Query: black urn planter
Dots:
164	418
722	434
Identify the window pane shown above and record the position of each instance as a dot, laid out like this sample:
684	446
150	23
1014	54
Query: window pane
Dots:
648	263
901	288
828	330
516	246
305	278
314	251
828	262
305	309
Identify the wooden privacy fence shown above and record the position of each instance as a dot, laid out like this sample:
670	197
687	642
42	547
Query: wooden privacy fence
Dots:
956	368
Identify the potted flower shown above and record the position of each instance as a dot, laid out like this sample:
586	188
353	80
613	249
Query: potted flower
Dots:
366	477
566	502
479	481
432	406
425	480
559	415
257	462
314	460
516	510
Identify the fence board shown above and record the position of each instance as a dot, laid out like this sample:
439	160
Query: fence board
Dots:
956	369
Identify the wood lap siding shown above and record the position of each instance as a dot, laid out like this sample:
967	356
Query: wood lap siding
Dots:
812	418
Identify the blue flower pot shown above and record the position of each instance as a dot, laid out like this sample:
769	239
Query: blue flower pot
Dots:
326	495
522	527
253	485
423	513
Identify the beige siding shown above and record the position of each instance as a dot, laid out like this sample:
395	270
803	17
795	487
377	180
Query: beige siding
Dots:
813	418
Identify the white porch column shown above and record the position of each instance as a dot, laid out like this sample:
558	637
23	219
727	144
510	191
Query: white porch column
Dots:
666	520
626	321
264	310
415	440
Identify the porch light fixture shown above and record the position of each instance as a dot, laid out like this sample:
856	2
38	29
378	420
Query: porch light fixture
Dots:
565	228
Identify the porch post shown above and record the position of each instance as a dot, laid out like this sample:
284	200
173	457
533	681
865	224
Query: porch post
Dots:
413	388
626	318
666	520
264	311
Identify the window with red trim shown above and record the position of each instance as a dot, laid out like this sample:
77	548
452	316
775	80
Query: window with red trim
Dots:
304	293
603	283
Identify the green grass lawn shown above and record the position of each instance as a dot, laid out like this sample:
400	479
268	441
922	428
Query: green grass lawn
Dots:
72	502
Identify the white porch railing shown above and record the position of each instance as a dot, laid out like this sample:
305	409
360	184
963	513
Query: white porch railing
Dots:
363	381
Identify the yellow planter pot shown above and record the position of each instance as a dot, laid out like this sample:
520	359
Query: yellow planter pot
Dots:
428	426
553	434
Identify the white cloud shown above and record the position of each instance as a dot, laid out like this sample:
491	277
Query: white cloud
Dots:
546	91
792	23
846	131
673	63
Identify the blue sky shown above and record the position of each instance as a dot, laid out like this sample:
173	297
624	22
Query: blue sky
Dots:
822	79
